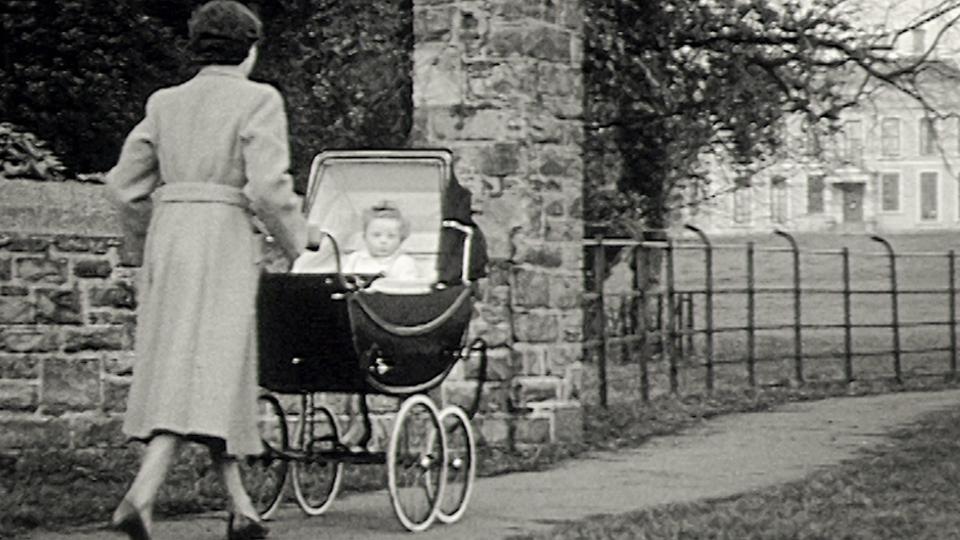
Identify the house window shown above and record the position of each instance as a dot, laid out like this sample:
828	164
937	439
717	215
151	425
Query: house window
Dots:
853	134
741	206
929	182
815	194
890	192
778	200
928	137
890	137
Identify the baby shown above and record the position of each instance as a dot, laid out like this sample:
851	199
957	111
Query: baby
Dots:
384	229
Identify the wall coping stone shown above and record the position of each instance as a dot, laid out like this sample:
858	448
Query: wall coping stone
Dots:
69	208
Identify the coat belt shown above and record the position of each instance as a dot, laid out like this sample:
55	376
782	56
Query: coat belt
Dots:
201	192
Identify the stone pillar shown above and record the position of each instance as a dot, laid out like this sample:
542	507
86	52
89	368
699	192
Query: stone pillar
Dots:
499	82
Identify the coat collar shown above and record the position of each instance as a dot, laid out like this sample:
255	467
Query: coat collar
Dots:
229	71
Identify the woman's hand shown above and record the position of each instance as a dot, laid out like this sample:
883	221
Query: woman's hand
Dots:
314	236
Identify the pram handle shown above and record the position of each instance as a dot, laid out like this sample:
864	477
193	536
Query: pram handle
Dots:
467	244
336	255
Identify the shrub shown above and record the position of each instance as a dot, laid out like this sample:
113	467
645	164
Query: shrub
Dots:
23	155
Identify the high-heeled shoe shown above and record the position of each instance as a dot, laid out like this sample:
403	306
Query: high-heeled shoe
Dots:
241	527
127	520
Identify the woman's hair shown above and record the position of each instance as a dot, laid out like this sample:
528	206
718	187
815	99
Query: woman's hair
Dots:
222	32
386	210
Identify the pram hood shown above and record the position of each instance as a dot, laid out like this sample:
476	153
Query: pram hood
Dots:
343	183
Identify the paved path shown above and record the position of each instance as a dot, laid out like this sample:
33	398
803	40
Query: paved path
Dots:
723	456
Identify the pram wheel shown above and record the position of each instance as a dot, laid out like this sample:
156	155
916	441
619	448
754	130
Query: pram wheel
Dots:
264	475
316	480
461	463
416	463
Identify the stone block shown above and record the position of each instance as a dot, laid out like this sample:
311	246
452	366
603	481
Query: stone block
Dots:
546	42
115	392
433	23
6	269
41	269
14	290
96	431
31	244
565	291
19	367
17	310
571	326
559	358
562	230
531	430
538	254
505	41
119	295
497	296
502	365
29	431
493	430
536	327
87	244
565	419
104	338
18	395
111	317
70	384
500	159
493	314
495	335
494	397
29	340
120	364
92	268
438	75
55	306
530	389
532	359
571	14
383	404
530	288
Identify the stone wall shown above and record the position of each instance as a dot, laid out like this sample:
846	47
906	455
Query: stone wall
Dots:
67	317
499	82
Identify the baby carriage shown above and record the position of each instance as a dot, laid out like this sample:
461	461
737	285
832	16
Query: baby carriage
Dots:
321	330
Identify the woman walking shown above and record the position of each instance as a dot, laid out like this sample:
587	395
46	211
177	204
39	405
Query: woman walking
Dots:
208	154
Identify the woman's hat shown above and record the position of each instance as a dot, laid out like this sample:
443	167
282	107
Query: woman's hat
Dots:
222	31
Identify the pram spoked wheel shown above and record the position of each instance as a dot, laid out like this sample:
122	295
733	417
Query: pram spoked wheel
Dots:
316	479
264	475
461	463
416	463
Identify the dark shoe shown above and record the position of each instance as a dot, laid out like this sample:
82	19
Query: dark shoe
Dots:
130	522
241	527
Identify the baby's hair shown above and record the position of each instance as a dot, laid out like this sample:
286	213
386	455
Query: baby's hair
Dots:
386	210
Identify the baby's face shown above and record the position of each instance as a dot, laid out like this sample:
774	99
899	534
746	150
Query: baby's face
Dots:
382	236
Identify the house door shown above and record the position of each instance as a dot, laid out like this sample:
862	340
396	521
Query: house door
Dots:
852	203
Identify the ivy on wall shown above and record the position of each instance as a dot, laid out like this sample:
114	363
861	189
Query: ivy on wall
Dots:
77	72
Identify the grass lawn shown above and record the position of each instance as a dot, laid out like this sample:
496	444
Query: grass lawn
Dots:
907	489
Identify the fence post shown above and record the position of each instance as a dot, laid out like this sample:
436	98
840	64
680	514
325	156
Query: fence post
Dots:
641	278
666	330
690	323
751	319
953	313
797	332
847	328
892	257
599	274
708	302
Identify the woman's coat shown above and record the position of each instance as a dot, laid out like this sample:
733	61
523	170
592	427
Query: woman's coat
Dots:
207	154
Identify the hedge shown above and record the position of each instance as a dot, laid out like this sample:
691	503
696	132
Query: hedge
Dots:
77	72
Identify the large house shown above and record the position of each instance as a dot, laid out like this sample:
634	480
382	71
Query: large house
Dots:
893	166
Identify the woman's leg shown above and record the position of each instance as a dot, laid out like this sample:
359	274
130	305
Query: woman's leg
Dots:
154	465
229	470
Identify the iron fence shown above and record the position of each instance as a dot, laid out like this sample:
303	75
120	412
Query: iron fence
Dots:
660	329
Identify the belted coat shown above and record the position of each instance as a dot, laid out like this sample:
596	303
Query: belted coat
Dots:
208	155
